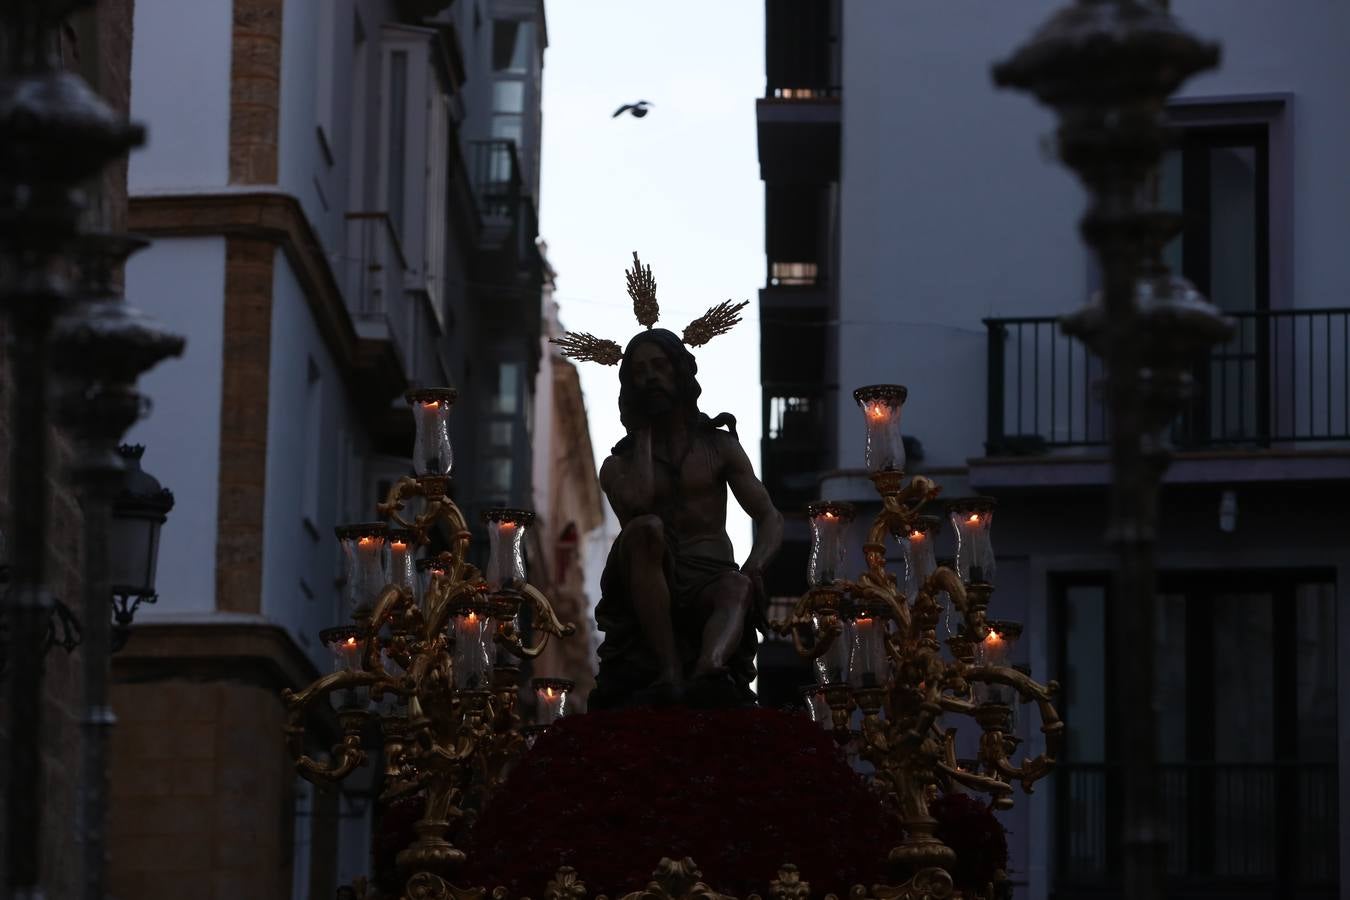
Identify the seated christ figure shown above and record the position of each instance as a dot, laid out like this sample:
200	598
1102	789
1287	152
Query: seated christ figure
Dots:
678	612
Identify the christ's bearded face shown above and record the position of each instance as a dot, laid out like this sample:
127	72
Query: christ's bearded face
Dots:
653	377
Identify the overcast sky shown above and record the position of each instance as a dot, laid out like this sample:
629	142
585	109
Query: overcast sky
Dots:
681	186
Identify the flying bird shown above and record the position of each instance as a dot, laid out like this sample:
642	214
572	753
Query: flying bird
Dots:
638	109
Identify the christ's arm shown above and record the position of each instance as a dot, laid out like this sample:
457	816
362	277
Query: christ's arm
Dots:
750	493
629	483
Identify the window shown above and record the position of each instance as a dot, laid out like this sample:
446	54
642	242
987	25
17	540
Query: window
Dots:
511	43
313	438
396	153
438	163
1246	668
793	418
789	273
1219	179
506	400
499	436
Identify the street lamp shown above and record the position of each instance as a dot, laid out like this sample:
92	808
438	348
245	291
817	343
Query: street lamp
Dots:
138	513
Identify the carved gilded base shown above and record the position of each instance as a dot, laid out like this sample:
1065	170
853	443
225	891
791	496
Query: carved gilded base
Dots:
431	852
682	880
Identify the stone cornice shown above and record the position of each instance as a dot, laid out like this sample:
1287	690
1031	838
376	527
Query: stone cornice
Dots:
237	648
273	216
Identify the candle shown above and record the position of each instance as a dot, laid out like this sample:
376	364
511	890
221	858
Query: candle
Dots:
550	699
867	661
829	525
506	547
363	551
884	448
972	519
996	649
432	452
919	559
475	651
402	563
346	647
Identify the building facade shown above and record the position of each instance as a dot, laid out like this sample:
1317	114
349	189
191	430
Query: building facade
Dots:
916	219
342	207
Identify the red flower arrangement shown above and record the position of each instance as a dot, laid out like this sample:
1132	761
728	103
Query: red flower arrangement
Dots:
970	828
740	791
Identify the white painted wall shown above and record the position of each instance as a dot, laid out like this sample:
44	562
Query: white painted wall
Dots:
305	466
934	224
1299	48
180	88
181	283
951	210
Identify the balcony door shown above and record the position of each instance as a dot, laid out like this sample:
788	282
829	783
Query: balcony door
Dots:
1219	178
1246	672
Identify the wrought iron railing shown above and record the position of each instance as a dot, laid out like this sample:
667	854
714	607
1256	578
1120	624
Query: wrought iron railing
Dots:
1283	378
497	183
1237	824
794	420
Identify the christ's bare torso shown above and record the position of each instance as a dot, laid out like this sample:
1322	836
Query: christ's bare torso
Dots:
689	489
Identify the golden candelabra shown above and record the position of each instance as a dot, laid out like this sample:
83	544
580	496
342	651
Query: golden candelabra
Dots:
873	641
419	660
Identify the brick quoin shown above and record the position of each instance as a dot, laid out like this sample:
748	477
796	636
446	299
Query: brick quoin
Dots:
255	87
243	423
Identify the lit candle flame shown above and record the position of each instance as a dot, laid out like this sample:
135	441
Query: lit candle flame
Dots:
877	410
862	620
351	642
400	546
366	541
473	618
548	692
974	519
829	516
431	405
916	536
993	638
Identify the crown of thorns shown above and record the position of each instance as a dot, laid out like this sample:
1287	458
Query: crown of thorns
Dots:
642	288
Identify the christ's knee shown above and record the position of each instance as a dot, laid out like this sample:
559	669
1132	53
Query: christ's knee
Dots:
733	591
644	538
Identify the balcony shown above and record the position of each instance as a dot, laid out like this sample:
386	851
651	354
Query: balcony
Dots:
1279	390
1237	830
509	221
373	277
793	449
798	118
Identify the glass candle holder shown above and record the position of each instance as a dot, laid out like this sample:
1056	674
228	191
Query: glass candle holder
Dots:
816	707
363	548
829	526
427	571
867	657
920	561
972	520
951	616
997	647
475	650
506	547
550	695
832	666
432	453
390	703
402	562
345	644
881	403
